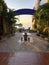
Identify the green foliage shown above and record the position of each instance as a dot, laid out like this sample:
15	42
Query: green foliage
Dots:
9	19
42	19
4	7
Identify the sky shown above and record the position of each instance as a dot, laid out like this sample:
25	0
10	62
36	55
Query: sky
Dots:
26	20
18	4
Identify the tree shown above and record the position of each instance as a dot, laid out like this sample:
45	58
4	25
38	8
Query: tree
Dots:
3	11
42	19
11	19
4	7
